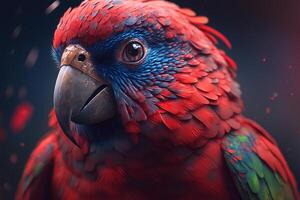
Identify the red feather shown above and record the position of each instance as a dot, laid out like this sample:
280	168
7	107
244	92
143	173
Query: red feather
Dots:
216	33
205	85
208	118
183	78
171	122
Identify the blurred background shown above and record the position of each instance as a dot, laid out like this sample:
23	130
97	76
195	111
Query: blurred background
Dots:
266	46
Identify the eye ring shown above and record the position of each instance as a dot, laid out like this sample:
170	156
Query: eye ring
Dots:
132	52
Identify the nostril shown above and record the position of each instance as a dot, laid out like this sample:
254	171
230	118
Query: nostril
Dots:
81	58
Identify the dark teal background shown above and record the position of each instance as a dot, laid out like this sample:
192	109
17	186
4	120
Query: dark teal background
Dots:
266	46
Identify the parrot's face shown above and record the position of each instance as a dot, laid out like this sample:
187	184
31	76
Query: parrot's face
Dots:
118	59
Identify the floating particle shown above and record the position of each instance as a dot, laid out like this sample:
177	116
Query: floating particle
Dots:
22	92
287	81
290	66
22	144
13	158
7	186
2	135
288	149
12	52
19	10
264	60
274	96
292	94
32	57
15	34
52	7
268	110
9	91
21	117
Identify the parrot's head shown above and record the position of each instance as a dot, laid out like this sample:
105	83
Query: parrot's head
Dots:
140	64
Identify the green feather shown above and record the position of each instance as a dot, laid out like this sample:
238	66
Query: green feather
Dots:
272	183
253	181
253	177
264	193
242	138
257	166
279	179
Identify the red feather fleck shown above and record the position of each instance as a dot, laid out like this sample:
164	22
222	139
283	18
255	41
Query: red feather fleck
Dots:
2	135
21	116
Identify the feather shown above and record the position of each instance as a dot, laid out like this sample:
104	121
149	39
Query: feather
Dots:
199	20
188	132
171	122
183	78
188	12
261	180
206	116
205	85
173	107
216	33
224	108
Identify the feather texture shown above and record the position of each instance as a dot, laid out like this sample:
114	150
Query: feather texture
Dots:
259	170
179	115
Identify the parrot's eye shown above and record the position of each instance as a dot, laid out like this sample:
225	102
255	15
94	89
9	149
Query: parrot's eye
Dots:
133	52
81	57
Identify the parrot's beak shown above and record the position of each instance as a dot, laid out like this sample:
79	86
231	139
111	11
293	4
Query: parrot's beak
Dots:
81	99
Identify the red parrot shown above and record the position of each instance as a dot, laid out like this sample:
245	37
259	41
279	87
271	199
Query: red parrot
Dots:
147	107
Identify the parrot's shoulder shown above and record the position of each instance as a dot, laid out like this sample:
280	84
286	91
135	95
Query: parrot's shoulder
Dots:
257	165
38	170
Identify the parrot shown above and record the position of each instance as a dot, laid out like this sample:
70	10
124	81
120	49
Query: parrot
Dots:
147	106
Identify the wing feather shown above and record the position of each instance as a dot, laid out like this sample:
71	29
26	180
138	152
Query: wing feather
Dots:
259	169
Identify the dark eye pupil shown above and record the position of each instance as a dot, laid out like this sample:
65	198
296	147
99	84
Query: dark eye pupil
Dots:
133	52
81	57
134	49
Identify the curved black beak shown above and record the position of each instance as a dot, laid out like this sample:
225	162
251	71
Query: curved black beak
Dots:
79	98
